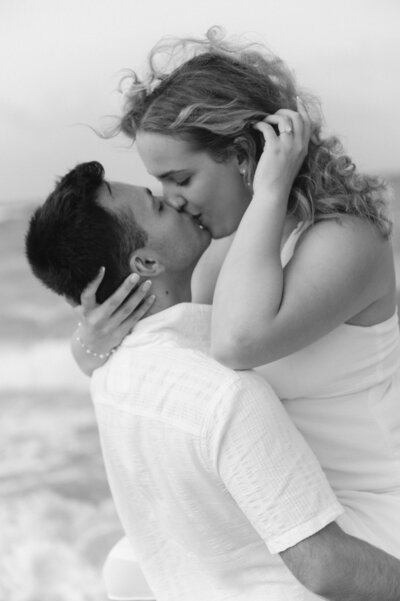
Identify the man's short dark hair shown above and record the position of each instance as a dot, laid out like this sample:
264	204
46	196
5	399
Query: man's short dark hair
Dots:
71	236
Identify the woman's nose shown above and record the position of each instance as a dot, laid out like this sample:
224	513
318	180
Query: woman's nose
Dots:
175	201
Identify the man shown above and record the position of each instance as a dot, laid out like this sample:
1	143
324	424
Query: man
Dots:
217	491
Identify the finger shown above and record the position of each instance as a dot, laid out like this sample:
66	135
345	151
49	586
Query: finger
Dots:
129	323
130	306
88	296
117	299
298	122
267	131
285	113
283	122
303	112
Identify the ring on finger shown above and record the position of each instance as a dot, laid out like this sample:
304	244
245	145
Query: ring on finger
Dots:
288	130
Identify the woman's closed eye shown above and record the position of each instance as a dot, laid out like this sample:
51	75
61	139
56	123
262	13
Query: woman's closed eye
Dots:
175	179
183	182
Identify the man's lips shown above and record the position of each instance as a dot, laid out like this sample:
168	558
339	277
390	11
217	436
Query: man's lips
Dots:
198	221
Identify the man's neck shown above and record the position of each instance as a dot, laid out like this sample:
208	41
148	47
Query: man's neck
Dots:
169	292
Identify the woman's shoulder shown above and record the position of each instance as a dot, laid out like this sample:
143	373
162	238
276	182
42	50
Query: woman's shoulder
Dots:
348	244
350	222
355	249
343	234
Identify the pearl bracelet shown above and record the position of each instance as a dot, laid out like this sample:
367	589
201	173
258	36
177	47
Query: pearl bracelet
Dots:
89	351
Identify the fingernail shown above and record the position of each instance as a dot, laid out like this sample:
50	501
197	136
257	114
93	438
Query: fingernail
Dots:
152	298
146	285
102	270
134	278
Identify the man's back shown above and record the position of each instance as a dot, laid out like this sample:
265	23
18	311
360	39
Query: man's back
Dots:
207	472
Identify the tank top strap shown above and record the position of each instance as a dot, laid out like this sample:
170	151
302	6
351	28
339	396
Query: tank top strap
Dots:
289	247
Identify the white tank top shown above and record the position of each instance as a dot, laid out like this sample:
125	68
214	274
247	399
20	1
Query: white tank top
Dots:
343	393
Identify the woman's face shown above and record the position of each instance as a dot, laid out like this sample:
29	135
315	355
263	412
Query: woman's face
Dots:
194	181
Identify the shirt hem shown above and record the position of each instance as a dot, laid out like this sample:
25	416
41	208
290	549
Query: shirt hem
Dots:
299	533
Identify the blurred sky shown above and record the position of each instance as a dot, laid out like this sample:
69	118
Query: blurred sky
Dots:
60	61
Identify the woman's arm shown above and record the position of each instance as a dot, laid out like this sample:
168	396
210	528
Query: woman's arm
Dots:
86	362
103	327
207	270
262	312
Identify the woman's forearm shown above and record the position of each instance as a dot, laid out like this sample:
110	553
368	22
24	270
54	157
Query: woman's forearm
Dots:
86	362
249	289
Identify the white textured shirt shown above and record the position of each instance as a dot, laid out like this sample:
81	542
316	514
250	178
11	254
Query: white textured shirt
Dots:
210	478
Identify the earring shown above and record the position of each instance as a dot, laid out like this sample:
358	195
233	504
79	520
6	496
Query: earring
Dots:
246	177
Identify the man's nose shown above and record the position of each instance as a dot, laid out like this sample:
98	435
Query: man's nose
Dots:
177	202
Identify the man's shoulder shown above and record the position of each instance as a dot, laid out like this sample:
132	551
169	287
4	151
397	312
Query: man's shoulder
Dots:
183	383
128	366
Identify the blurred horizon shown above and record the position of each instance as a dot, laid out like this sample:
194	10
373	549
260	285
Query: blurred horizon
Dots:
62	61
392	178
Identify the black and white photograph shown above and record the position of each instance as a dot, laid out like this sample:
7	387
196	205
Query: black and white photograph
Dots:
200	278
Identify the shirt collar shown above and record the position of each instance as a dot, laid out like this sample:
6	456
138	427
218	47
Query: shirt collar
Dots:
189	322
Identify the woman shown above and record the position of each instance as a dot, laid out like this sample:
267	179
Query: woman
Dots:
306	292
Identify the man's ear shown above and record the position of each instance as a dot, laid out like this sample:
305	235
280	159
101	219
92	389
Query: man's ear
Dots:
146	263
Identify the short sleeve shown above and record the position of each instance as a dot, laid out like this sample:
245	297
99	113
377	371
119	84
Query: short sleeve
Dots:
266	465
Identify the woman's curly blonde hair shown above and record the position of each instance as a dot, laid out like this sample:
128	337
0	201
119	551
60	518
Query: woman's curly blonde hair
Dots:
211	91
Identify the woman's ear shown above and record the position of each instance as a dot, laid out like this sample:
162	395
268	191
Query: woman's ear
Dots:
146	263
242	151
245	149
